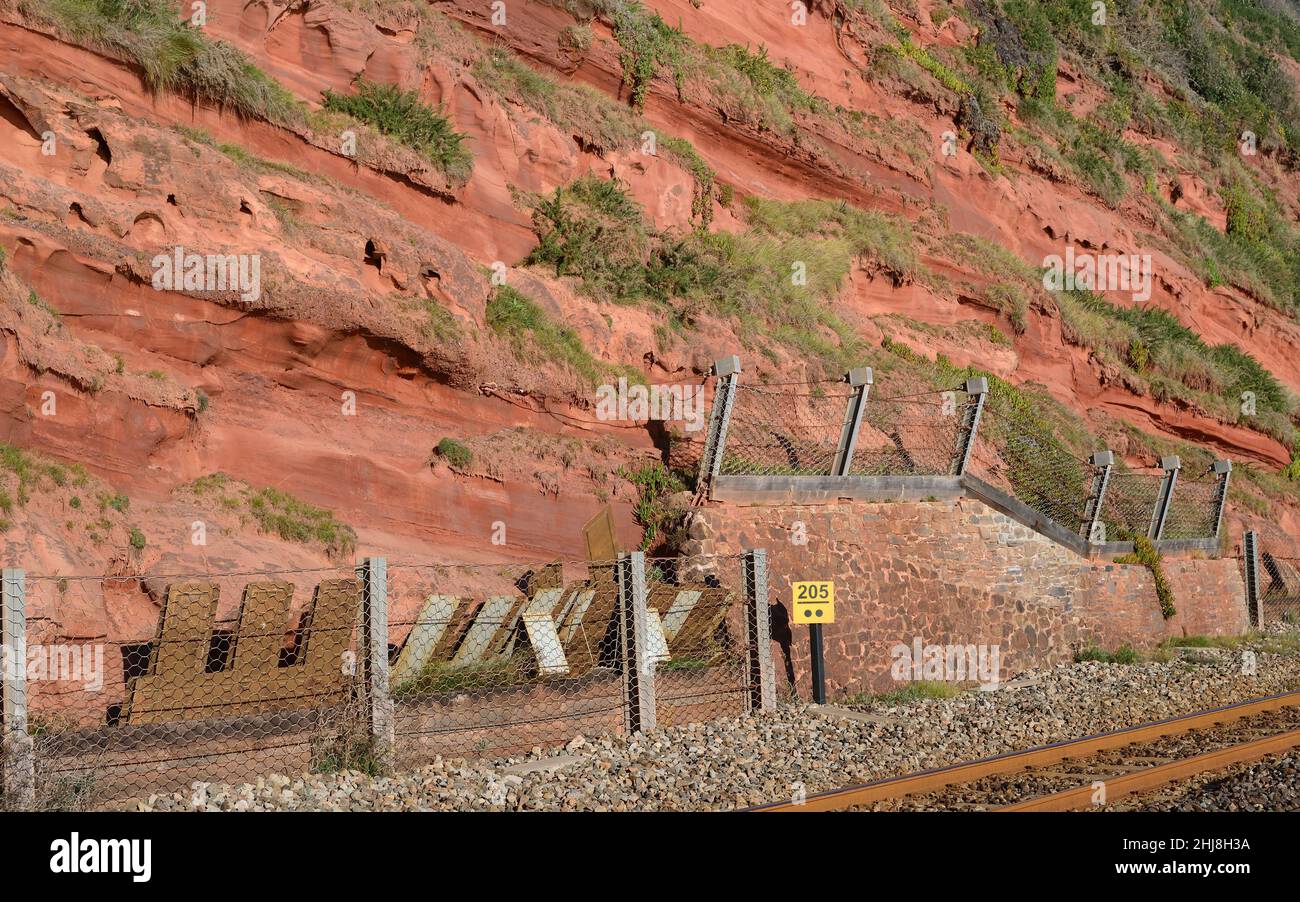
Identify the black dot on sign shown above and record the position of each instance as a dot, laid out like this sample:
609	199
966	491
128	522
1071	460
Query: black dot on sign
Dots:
819	612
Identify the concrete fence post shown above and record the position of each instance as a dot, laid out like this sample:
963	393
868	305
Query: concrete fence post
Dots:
19	758
1223	468
727	370
638	663
978	389
1254	593
373	573
758	634
861	380
1171	465
1093	528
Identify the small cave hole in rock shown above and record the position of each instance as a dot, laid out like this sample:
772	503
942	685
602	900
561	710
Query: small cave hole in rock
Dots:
101	145
374	257
245	208
171	199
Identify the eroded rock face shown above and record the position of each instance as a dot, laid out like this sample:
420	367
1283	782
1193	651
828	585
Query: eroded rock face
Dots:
355	254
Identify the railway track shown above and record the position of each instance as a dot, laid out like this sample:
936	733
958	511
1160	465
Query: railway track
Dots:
1083	773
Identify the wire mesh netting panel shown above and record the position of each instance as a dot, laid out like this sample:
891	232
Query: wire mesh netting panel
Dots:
1193	513
785	430
911	434
697	644
1279	587
198	679
498	661
1034	469
1130	503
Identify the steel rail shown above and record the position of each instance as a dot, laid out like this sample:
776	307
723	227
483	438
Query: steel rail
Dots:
1013	762
1149	778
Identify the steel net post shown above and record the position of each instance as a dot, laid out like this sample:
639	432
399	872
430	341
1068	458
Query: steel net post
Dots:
762	674
727	371
860	379
1254	599
1171	465
638	666
378	705
19	764
978	389
1223	468
1093	528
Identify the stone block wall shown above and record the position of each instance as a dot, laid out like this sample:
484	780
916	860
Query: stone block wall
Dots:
954	573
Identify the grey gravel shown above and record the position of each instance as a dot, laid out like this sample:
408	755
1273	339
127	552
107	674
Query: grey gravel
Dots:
740	761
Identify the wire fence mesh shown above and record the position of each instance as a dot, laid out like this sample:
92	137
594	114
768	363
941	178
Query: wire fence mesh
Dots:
141	683
785	430
1279	588
1034	469
1193	509
1130	503
151	684
912	434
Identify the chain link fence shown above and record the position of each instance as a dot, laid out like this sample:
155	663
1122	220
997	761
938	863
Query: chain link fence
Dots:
132	685
1193	509
1033	468
917	433
1272	582
1130	503
786	430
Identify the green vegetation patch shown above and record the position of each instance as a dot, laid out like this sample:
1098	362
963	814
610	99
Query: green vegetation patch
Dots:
535	336
279	513
402	116
173	55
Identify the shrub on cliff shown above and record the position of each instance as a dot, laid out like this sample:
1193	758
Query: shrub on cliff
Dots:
455	453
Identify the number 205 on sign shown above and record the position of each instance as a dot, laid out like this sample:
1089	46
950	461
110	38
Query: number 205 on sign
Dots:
814	602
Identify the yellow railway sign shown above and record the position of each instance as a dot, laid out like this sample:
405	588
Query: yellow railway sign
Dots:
814	602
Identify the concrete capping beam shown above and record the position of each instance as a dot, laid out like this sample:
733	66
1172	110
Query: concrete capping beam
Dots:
1171	462
1222	466
977	386
727	366
863	375
829	489
1103	459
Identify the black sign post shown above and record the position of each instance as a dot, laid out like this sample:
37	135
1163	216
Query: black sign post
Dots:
818	665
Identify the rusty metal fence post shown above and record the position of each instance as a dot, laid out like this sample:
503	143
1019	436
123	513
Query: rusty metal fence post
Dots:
1254	595
860	379
1094	530
978	389
19	762
727	371
762	673
378	704
1171	465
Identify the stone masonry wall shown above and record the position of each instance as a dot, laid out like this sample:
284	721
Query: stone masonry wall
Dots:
954	573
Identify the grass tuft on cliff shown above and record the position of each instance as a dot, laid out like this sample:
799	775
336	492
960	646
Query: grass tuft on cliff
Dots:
278	513
401	115
173	55
535	336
